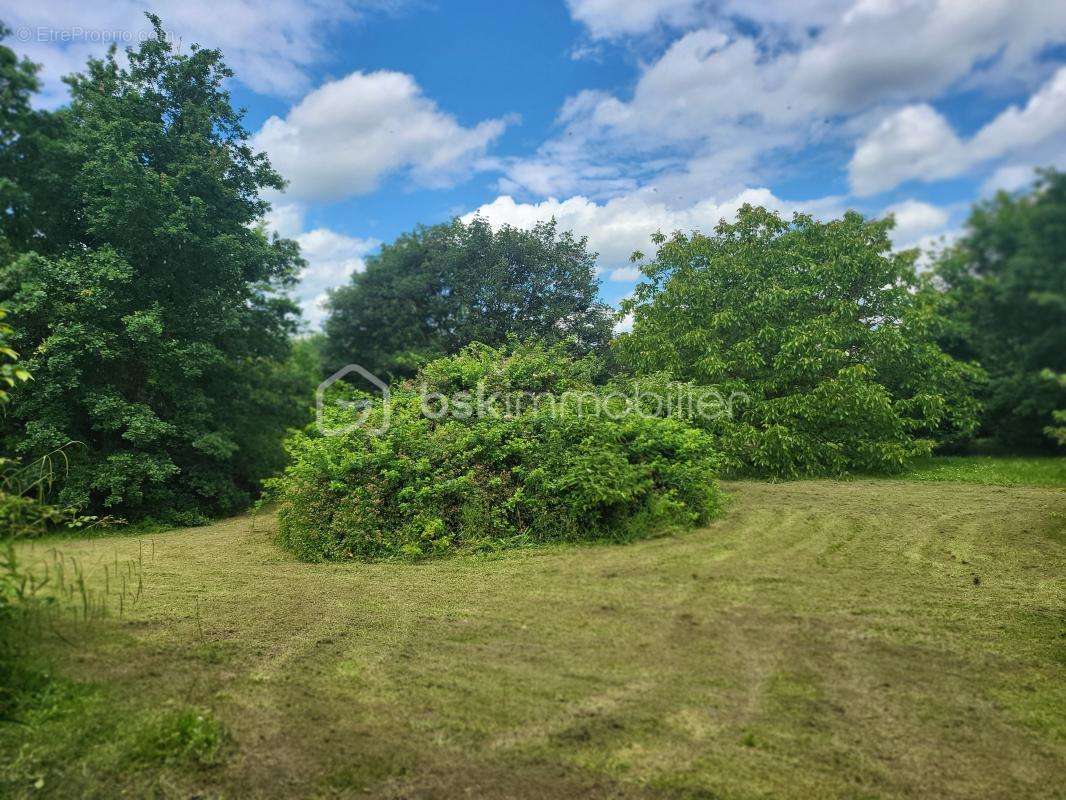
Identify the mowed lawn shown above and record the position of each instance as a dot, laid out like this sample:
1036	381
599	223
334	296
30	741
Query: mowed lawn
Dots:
865	639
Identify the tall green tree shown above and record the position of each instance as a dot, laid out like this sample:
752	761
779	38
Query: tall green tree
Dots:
820	341
1005	281
439	288
153	315
18	82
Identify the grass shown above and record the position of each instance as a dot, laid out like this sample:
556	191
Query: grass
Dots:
860	639
990	470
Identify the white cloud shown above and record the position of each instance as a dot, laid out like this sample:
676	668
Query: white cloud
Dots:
270	44
883	50
342	138
610	18
916	142
913	140
722	94
285	219
1010	178
621	225
915	220
331	259
1042	118
624	325
625	274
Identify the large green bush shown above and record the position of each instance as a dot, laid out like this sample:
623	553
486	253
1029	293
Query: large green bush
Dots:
525	471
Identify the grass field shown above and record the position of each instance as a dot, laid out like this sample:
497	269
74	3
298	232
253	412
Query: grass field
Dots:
860	639
990	470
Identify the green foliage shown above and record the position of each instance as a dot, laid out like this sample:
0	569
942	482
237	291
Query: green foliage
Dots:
507	467
18	82
1005	282
151	314
23	510
117	738
186	737
11	372
437	289
1057	431
821	341
24	489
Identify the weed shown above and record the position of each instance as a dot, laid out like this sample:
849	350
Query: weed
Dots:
187	737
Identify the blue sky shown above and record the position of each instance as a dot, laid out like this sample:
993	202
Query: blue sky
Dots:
618	117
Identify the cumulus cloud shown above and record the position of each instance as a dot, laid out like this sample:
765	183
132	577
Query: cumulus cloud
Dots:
344	137
916	220
285	219
607	19
916	142
805	74
1009	178
625	274
271	44
619	226
855	62
860	61
331	259
610	19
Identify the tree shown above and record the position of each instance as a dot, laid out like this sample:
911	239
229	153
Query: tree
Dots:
437	289
18	82
153	317
1005	280
21	510
820	339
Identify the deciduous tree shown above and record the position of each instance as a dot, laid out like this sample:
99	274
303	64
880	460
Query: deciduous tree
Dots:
154	317
437	289
822	337
1005	283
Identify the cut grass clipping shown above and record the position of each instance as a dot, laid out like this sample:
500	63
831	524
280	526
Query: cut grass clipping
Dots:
871	638
990	470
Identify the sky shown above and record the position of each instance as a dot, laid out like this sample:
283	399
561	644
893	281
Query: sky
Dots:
619	118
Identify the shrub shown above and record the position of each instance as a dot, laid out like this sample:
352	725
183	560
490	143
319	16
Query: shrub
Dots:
525	469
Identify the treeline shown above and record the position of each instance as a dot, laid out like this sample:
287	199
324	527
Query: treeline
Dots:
796	314
150	307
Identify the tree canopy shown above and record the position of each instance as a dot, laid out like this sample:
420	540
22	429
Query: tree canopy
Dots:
1005	282
147	305
439	288
822	336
